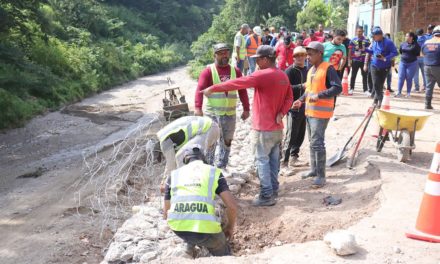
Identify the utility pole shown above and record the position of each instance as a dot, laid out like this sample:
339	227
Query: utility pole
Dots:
372	14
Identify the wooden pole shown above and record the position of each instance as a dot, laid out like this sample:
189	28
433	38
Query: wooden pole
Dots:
372	14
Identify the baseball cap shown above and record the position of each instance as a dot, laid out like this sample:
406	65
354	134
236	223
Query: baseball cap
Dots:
377	31
264	51
221	46
316	45
299	50
436	31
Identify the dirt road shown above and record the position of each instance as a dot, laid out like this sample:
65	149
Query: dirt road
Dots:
42	168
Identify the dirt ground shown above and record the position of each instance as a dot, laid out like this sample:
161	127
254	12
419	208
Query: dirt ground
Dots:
41	220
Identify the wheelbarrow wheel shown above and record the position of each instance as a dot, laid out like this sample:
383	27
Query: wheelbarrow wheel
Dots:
381	139
404	144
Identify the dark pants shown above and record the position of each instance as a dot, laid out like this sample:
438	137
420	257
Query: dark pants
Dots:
341	72
378	76
355	66
296	129
215	243
370	80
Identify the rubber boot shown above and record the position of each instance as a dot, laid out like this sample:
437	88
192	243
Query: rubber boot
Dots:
320	169
428	103
312	172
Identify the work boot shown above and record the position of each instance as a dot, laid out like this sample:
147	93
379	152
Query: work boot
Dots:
428	103
264	201
320	169
312	172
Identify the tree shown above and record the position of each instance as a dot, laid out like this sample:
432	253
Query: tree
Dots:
316	12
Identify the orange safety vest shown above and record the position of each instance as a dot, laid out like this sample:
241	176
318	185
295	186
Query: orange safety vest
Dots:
252	48
323	108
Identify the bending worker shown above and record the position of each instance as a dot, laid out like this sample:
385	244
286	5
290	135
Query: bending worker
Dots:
190	207
175	137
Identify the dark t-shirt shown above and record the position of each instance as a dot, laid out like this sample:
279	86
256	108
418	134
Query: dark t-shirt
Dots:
222	186
297	76
266	40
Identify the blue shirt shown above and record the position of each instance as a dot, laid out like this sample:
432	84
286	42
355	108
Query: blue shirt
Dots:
431	50
385	48
357	48
409	52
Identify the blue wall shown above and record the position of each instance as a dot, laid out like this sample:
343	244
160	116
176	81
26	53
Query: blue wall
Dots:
365	16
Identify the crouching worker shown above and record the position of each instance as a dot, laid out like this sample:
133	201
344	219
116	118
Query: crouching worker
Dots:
175	138
190	208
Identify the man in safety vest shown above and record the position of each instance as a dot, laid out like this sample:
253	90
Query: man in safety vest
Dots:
221	107
322	87
252	43
190	207
239	53
175	138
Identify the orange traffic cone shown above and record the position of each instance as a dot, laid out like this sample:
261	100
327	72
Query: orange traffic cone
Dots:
428	221
386	101
345	82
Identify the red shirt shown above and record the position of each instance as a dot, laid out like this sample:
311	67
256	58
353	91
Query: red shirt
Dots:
285	55
319	34
205	81
273	95
308	40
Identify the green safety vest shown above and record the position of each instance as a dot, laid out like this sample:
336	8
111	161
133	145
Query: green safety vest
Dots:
196	126
192	199
242	47
219	103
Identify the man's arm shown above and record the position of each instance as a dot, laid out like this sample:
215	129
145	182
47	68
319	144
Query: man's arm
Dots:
232	85
231	212
333	84
205	80
167	198
288	101
393	51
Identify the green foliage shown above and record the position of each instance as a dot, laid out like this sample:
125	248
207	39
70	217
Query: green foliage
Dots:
236	12
54	52
334	14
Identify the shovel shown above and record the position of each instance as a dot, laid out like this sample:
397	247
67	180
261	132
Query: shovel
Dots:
341	153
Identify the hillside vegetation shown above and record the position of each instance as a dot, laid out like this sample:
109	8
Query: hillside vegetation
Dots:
54	52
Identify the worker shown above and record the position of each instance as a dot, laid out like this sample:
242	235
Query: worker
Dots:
175	138
221	107
239	53
296	119
322	87
253	41
431	53
190	206
272	100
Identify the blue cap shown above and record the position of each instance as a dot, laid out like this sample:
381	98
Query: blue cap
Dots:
377	31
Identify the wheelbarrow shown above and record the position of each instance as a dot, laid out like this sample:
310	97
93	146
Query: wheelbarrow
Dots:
399	127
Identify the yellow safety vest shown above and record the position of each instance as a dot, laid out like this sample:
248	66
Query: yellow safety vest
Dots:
219	103
242	47
191	126
192	199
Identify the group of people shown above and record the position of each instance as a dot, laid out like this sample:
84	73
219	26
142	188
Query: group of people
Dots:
196	148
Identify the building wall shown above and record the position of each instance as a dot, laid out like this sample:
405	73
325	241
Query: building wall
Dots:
418	14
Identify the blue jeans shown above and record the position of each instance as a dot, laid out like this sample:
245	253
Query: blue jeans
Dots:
227	129
240	65
252	64
267	158
389	78
316	131
406	73
420	69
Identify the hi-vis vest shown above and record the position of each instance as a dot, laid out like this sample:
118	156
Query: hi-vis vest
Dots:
220	103
252	49
242	47
323	108
190	125
192	199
